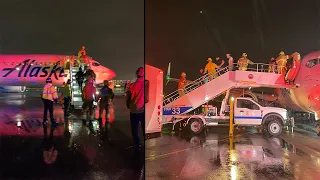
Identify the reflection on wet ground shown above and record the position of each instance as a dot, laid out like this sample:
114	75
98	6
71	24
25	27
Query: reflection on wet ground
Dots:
213	155
71	151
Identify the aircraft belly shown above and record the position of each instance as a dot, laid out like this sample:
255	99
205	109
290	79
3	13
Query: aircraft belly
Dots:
288	99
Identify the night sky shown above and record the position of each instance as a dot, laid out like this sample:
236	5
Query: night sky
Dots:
111	30
177	32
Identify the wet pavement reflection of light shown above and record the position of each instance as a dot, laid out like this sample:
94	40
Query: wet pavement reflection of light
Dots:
213	155
71	151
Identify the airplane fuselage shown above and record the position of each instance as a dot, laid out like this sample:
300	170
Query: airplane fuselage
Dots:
33	70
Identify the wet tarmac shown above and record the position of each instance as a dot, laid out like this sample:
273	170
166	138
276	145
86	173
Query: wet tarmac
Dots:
71	151
248	155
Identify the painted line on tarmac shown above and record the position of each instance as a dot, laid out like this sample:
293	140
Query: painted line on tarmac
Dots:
183	150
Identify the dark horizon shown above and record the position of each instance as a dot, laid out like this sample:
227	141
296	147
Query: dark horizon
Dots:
186	33
113	32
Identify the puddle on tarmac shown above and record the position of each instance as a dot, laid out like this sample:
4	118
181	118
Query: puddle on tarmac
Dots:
251	156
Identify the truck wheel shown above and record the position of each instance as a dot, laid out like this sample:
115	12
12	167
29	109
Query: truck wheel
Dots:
195	126
274	128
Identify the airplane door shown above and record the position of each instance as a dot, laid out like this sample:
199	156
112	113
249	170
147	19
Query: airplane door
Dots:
247	112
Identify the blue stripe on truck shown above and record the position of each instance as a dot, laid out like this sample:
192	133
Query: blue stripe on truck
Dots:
248	117
175	110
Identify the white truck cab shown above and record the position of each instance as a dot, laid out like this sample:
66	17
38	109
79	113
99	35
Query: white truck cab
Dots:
247	112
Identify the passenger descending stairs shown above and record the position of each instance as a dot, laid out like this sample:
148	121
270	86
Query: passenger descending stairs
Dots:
76	93
200	91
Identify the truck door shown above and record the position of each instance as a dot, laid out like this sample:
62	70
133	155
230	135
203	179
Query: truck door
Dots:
247	112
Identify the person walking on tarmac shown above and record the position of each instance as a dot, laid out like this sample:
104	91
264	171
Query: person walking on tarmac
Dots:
211	69
106	96
66	92
49	95
135	103
230	65
243	62
88	97
80	78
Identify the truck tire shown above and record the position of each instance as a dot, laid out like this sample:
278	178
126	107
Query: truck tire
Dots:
195	126
274	128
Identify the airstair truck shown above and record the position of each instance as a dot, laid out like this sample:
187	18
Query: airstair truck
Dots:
247	112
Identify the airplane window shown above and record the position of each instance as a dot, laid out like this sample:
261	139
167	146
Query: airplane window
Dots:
95	64
247	104
312	63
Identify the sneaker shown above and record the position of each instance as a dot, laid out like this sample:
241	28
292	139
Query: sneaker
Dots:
54	123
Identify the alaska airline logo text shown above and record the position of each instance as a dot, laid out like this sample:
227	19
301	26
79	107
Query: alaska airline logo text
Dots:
27	71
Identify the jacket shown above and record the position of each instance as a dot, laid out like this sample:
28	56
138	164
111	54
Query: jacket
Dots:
49	92
135	96
89	92
106	94
66	91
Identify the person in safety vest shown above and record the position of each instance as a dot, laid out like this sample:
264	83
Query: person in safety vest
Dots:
281	61
182	83
243	62
88	97
66	92
230	65
272	64
106	97
135	103
82	52
49	95
211	69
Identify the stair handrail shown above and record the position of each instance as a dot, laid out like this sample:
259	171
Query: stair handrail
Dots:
257	67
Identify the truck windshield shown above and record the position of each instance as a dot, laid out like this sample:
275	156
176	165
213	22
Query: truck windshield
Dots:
243	103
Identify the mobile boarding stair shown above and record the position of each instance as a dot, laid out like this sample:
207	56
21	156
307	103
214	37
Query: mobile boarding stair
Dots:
201	90
76	100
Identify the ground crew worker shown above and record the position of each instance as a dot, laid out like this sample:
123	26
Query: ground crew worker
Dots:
243	62
272	64
135	103
49	95
230	62
182	83
211	69
80	78
88	97
81	52
282	62
66	92
106	96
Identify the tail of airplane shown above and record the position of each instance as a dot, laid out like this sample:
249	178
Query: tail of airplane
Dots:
168	78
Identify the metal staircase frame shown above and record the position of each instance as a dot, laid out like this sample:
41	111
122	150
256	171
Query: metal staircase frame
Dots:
257	67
